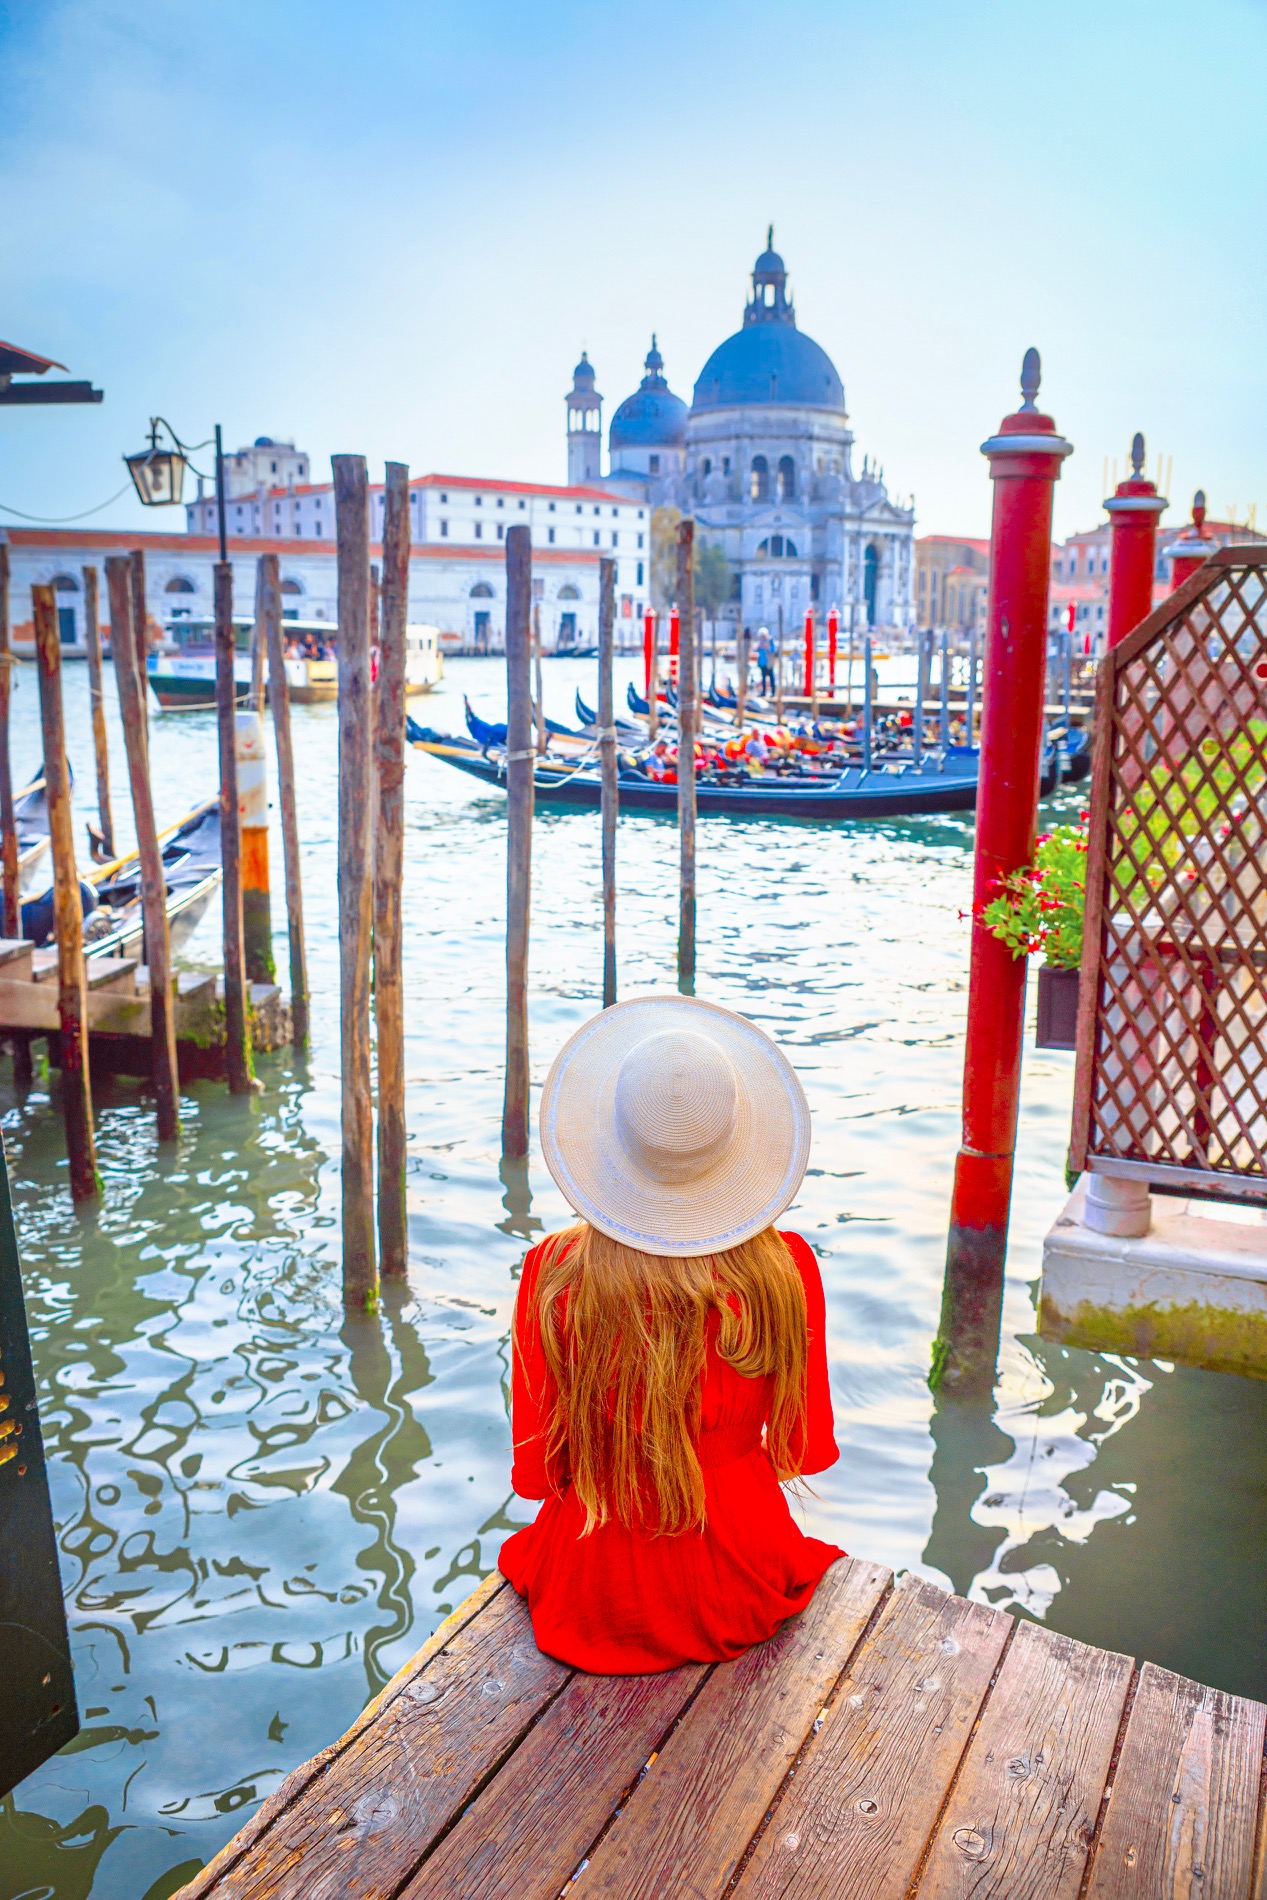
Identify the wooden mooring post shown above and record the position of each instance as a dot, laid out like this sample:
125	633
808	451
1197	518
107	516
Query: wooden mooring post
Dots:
356	876
389	868
741	685
97	702
68	916
607	756
163	1072
237	1052
8	828
519	800
279	703
139	629
539	707
687	718
257	908
259	642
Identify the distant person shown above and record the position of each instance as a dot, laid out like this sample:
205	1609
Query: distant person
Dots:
669	1354
765	662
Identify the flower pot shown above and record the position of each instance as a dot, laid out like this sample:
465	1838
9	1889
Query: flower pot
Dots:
1057	1007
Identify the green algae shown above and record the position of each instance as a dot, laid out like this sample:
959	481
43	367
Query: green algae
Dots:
1216	1338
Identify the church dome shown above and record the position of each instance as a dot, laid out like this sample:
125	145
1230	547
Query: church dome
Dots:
653	417
769	360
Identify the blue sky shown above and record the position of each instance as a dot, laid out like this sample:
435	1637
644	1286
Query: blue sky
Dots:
392	228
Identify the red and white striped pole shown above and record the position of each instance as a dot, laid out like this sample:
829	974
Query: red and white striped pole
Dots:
1132	508
675	624
808	683
1025	458
833	640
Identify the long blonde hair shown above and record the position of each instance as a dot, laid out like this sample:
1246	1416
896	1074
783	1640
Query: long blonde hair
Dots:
623	1334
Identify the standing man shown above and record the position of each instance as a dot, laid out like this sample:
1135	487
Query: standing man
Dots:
765	661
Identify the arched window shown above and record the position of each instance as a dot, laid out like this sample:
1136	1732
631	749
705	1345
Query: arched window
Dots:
787	478
760	488
291	587
870	572
179	584
568	592
777	547
65	583
481	591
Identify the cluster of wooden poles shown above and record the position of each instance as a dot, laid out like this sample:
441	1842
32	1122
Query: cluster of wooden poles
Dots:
521	756
125	583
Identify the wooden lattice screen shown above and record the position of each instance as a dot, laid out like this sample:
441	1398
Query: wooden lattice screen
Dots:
1171	1080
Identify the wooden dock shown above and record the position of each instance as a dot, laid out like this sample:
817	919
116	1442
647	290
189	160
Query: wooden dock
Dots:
893	1741
119	1011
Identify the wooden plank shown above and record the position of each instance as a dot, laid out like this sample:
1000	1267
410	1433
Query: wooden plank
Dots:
300	1779
374	1805
532	1825
1181	1814
853	1823
686	1827
1024	1809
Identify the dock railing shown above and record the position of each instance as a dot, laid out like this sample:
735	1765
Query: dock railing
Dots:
1171	1083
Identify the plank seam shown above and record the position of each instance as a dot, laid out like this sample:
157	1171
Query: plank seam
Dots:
261	1824
921	1865
1093	1849
627	1794
828	1705
491	1772
1258	1879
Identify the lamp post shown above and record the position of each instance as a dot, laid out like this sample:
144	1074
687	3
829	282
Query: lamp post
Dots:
158	473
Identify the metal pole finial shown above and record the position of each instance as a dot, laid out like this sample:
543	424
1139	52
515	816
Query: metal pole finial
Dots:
1031	377
1198	509
1137	454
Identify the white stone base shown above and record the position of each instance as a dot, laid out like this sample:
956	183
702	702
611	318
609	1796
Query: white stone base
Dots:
1193	1289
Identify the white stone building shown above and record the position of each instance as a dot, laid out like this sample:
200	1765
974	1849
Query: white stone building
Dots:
763	460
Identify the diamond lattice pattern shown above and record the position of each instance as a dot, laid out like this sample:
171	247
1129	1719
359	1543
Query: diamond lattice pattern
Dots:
1179	1074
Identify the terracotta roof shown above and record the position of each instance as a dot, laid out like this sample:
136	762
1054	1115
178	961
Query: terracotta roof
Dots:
953	540
470	482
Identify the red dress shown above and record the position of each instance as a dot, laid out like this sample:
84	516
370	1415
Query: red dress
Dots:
625	1602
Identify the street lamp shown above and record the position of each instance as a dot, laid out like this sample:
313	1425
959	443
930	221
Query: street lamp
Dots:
158	474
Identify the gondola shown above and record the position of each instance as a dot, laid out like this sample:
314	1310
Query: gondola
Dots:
485	733
113	924
30	821
587	719
939	783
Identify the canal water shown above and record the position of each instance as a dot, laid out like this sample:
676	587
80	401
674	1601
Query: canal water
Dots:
264	1507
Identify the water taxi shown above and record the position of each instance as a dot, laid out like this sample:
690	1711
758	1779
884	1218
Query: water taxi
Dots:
182	675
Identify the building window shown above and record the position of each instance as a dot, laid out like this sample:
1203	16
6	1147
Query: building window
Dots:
444	497
444	529
523	504
787	478
615	539
579	509
501	530
479	501
598	511
500	502
615	513
479	531
725	465
759	486
550	507
549	534
640	573
654	464
706	467
596	537
639	540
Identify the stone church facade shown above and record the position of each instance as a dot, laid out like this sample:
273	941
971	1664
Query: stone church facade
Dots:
763	459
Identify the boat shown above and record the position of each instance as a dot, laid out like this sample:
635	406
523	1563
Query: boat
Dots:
111	893
940	782
588	721
30	821
183	677
488	734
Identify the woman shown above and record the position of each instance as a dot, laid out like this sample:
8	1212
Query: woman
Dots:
670	1366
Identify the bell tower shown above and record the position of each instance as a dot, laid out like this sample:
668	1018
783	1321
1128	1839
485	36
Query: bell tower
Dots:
585	426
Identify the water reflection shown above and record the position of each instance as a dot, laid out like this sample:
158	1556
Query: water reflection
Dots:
264	1506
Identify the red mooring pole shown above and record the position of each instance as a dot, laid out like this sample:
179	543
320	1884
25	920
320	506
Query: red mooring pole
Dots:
1191	549
648	650
1025	458
808	687
833	639
675	625
1132	508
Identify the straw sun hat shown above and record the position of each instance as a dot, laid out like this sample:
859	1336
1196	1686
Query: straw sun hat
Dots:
675	1126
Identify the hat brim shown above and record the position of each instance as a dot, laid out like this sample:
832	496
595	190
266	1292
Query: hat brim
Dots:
740	1195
